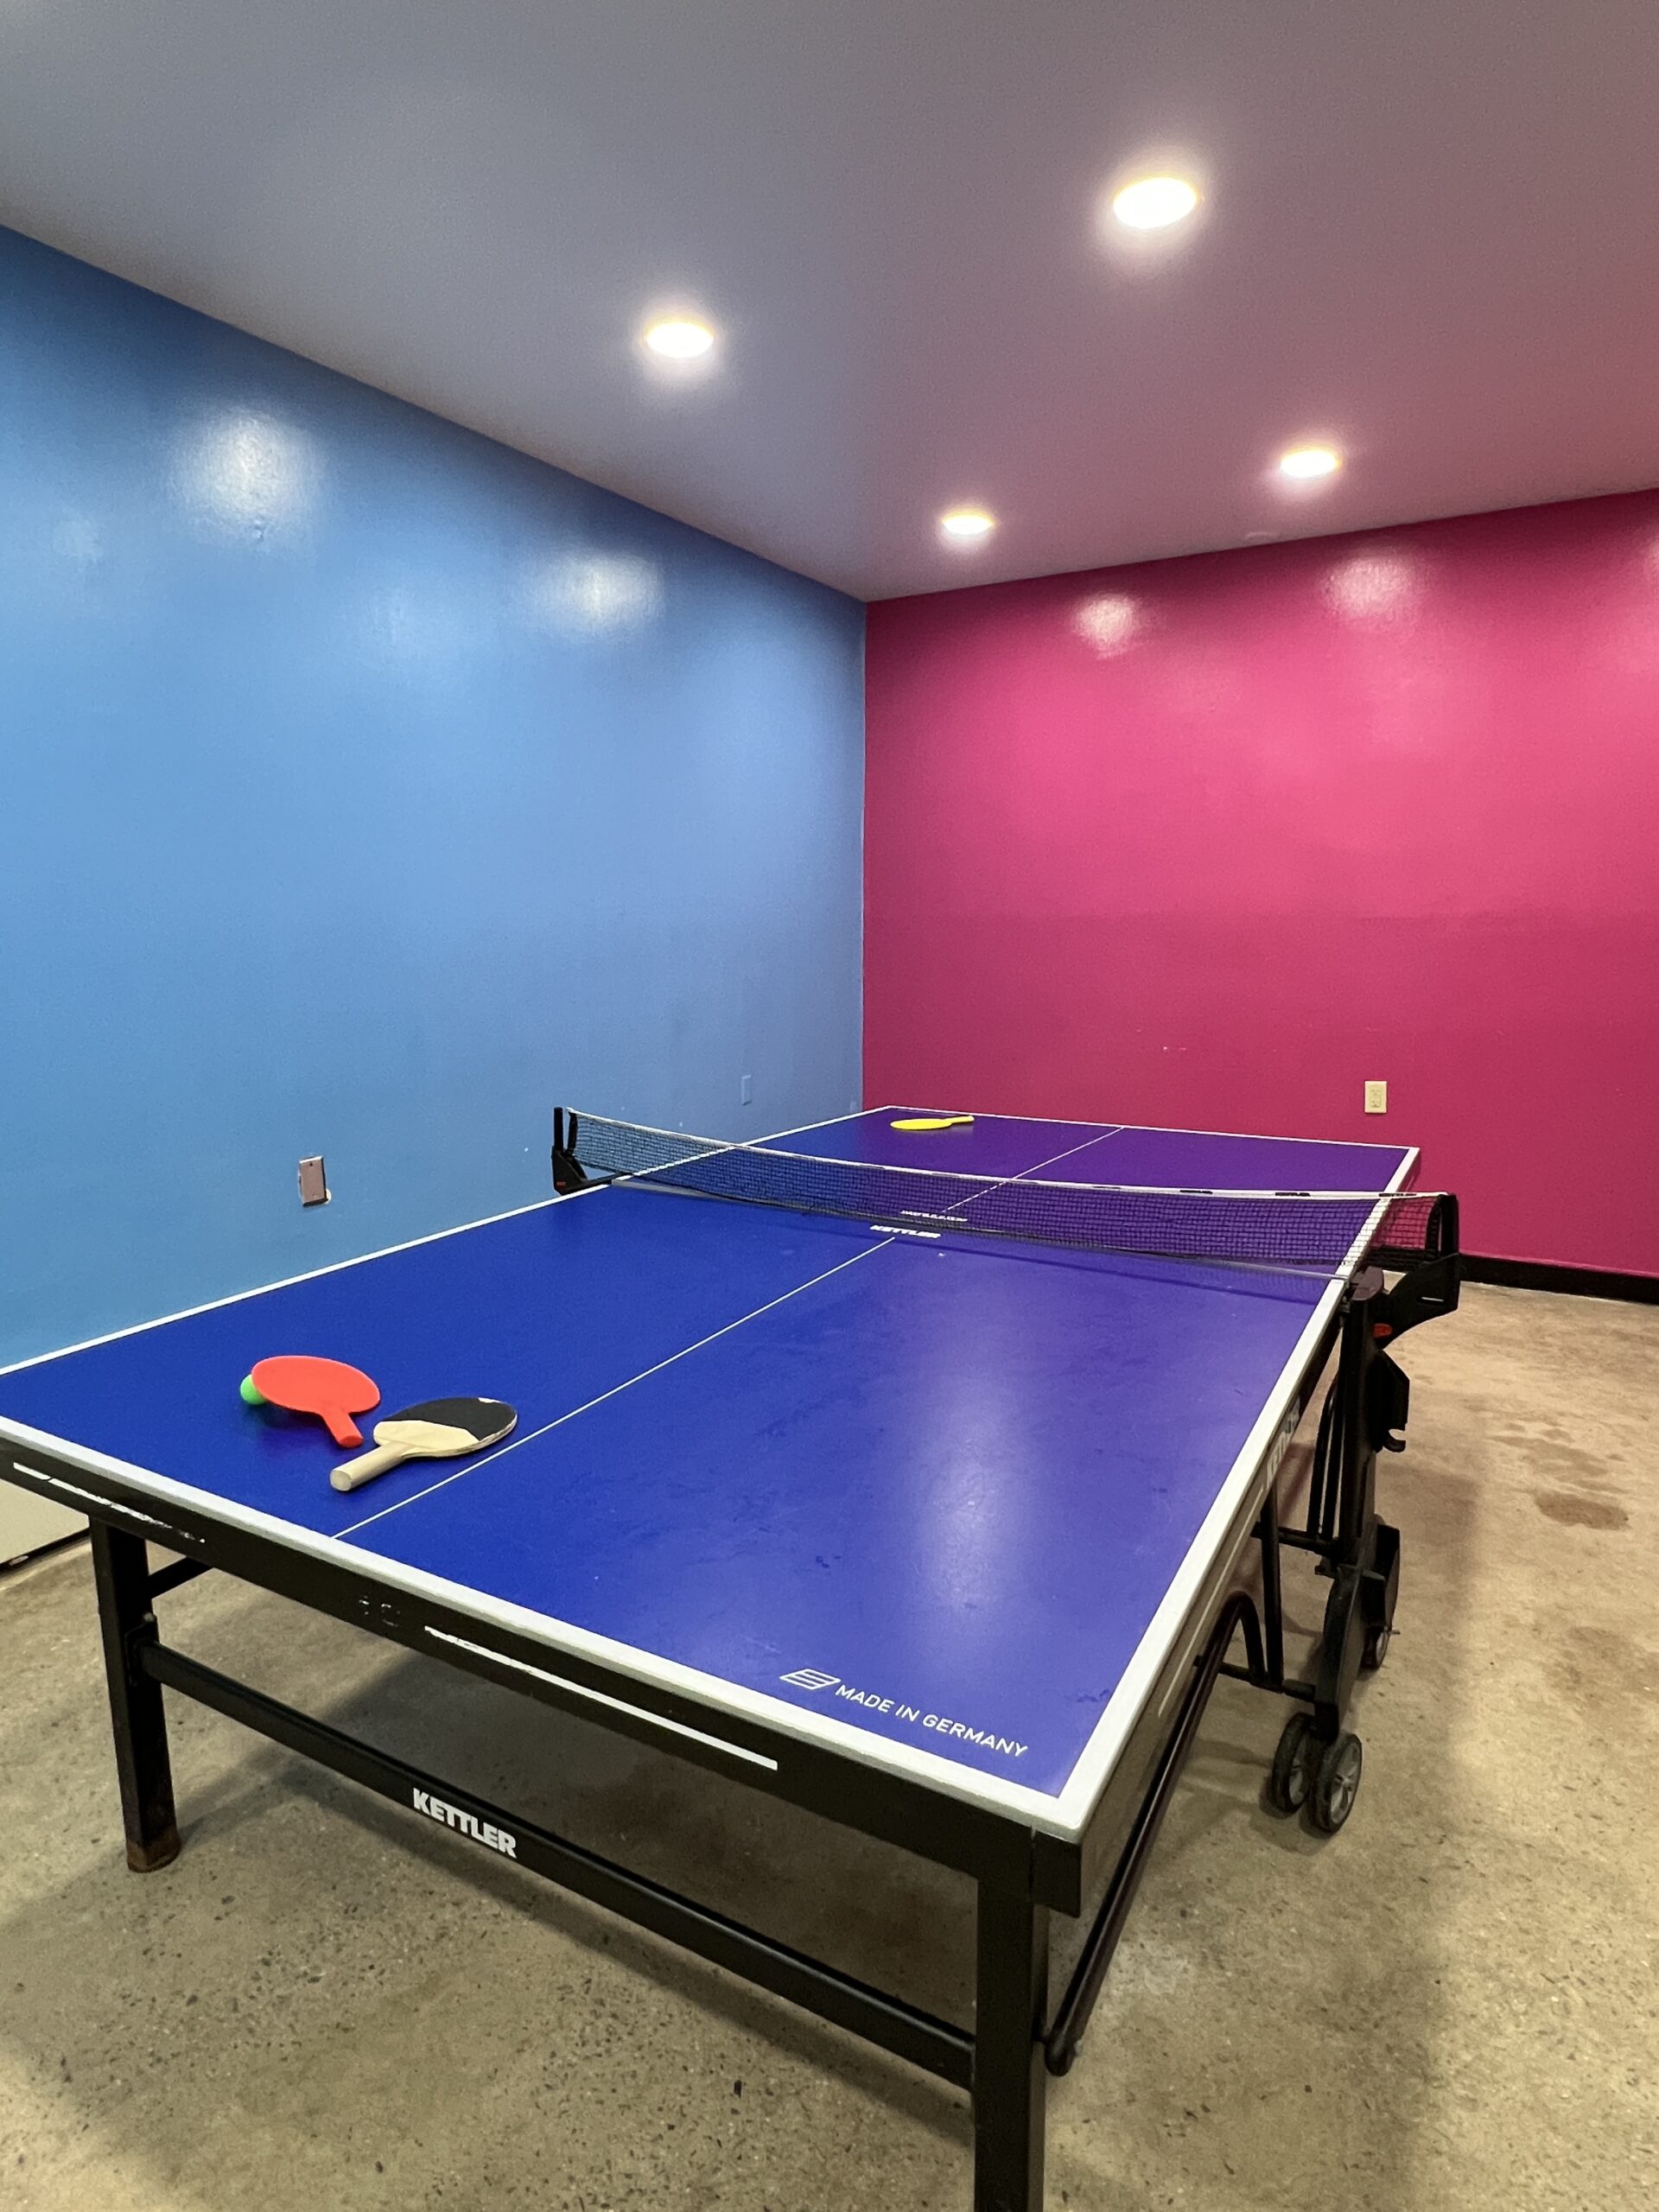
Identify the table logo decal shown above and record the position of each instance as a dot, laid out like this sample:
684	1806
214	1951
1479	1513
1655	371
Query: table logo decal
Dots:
451	1816
940	1724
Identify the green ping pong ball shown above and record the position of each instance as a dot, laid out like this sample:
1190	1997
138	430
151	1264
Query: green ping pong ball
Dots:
251	1394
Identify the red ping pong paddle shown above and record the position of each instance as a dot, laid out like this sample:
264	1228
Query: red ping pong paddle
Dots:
327	1388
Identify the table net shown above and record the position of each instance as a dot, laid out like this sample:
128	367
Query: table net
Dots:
1317	1231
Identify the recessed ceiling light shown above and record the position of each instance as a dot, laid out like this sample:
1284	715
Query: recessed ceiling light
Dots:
1153	202
1303	463
679	337
966	525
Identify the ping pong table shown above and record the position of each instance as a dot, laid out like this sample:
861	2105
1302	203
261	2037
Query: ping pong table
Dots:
928	1480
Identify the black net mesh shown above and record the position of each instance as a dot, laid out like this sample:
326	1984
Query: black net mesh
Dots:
1320	1231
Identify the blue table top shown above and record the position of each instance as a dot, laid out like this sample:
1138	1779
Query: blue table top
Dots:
951	1482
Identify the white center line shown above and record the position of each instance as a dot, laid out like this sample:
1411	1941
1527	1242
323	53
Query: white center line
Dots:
1038	1166
472	1467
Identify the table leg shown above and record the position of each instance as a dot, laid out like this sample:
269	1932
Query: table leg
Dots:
1010	2079
121	1571
1272	1592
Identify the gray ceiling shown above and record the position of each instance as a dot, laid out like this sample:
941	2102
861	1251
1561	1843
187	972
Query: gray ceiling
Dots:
1430	234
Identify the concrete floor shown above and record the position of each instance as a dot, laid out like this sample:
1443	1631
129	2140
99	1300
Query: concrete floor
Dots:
327	2002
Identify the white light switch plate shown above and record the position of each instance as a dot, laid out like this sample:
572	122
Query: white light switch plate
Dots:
314	1183
1377	1098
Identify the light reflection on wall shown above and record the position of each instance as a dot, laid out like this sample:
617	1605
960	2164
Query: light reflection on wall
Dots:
78	540
250	472
1373	587
1109	623
595	594
1632	633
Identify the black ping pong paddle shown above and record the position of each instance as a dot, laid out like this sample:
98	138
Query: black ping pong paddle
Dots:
438	1429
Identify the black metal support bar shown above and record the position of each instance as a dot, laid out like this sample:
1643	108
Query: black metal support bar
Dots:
121	1571
1272	1596
1302	1692
1298	1540
1355	1460
175	1577
934	2044
1330	1438
1071	2017
1010	2092
1319	1479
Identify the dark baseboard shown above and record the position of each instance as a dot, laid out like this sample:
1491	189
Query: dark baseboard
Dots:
1578	1282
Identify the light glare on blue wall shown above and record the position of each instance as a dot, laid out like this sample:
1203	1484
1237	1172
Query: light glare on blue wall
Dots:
242	469
582	594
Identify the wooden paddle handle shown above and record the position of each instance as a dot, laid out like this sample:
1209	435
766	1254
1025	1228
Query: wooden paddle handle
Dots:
366	1467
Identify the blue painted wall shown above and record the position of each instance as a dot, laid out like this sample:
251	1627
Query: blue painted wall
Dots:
368	788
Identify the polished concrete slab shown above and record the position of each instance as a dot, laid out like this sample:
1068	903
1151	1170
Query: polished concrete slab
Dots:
326	2001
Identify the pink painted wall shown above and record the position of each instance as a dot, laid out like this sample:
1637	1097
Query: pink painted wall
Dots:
1210	842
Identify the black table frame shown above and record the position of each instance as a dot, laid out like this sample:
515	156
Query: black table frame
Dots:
1021	1872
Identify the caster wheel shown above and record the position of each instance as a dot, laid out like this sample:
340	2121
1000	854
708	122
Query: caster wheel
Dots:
1377	1638
1293	1765
1336	1784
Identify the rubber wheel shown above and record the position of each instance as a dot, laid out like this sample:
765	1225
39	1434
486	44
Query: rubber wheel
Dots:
1336	1784
1293	1765
1377	1638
